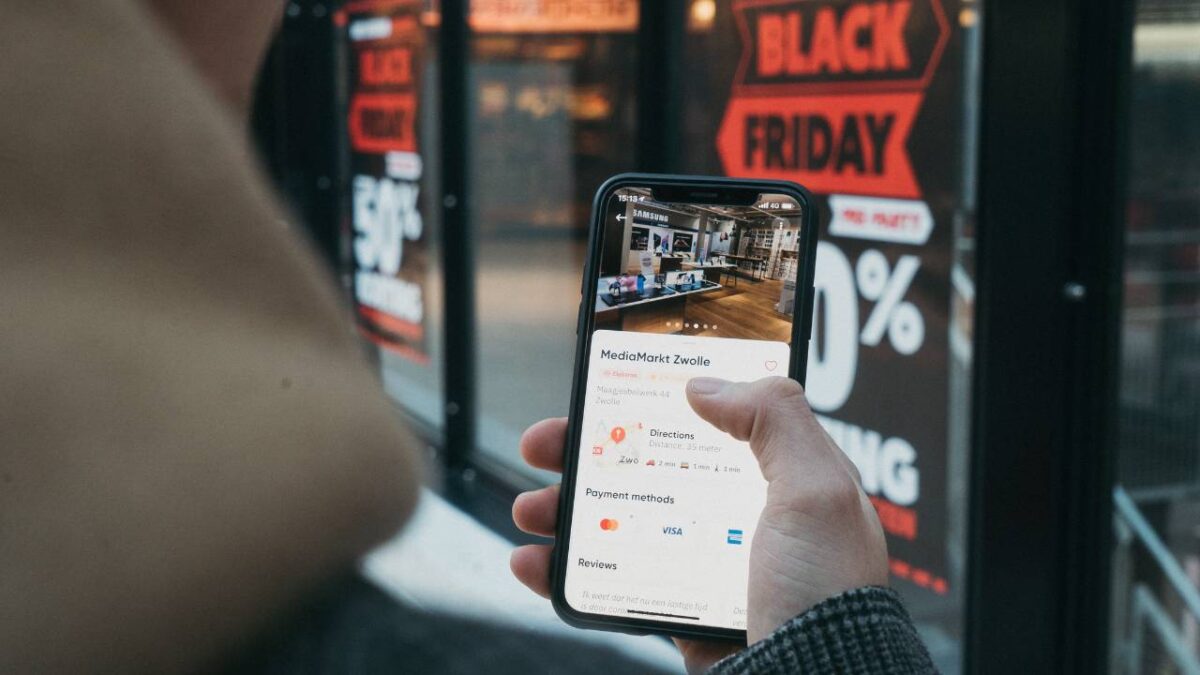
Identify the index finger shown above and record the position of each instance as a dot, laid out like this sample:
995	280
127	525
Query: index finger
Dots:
542	444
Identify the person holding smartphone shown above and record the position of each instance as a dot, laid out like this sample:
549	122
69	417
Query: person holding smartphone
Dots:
193	452
818	601
718	513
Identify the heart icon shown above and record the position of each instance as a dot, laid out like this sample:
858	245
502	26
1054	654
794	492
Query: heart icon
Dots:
771	365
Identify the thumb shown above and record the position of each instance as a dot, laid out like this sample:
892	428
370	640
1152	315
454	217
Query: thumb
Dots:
772	414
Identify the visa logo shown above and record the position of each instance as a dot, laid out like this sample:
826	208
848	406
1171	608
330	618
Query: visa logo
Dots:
673	530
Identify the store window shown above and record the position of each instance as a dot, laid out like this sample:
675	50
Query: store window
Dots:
872	105
389	183
1156	565
553	116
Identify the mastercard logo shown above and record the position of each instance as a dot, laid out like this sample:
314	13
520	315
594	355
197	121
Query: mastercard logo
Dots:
609	524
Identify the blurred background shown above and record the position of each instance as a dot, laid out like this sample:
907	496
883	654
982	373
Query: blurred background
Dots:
1036	380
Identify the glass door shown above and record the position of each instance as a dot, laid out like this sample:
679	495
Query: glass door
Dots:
1156	567
553	116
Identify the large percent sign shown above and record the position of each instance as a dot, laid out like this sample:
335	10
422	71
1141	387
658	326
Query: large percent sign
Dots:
903	323
833	351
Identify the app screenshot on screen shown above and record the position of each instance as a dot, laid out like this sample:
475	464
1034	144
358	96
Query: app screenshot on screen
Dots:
665	505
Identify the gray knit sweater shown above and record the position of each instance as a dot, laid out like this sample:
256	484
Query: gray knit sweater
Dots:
355	628
864	631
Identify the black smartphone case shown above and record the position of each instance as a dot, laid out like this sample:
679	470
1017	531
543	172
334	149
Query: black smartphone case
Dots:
801	333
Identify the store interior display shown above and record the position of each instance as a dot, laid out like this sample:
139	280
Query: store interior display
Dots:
681	274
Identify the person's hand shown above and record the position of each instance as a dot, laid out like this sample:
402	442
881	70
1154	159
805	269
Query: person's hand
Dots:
537	513
818	535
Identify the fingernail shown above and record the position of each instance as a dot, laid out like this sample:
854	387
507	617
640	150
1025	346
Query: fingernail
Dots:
706	386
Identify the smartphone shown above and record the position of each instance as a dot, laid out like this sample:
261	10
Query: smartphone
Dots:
685	276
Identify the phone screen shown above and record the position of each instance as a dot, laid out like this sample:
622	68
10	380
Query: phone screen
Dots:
665	505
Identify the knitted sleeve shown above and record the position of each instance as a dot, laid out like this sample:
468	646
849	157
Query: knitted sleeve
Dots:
864	631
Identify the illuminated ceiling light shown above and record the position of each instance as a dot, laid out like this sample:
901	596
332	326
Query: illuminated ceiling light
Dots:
702	14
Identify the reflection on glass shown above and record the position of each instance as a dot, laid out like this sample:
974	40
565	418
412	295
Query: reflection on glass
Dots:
553	118
1156	567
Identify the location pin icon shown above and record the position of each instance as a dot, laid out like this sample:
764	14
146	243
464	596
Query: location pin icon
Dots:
618	434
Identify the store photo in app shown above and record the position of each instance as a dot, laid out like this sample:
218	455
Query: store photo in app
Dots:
699	269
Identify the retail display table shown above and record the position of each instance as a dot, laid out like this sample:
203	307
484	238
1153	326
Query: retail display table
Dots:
712	271
755	262
654	310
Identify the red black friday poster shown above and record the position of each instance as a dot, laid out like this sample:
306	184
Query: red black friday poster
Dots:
382	42
868	103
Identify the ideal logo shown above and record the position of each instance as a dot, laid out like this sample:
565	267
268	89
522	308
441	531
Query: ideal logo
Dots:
676	531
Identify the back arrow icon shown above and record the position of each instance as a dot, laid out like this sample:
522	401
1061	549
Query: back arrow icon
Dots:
620	218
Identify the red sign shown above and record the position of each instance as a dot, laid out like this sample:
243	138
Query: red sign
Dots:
827	143
384	67
383	122
827	91
383	45
554	16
